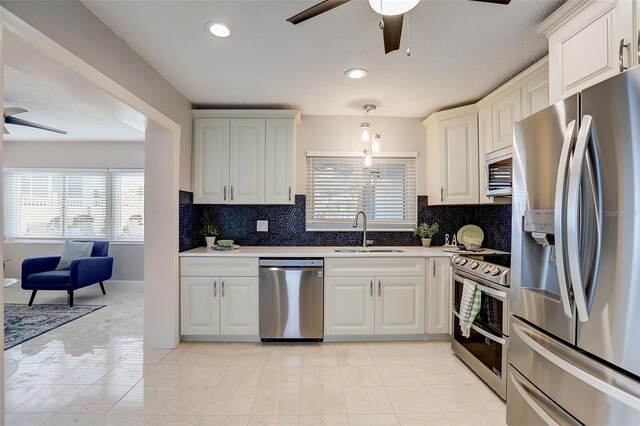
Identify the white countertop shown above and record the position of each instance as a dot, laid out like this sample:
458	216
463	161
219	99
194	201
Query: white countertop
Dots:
328	251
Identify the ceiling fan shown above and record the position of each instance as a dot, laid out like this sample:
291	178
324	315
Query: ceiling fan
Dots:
392	12
8	116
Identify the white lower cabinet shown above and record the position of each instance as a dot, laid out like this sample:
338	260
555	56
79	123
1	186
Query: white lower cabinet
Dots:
438	295
219	305
359	304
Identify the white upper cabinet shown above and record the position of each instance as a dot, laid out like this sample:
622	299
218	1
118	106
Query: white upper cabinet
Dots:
211	160
589	41
247	161
280	162
506	111
535	92
244	156
485	145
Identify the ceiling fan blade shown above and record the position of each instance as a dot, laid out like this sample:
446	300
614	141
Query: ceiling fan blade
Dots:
316	10
505	2
392	31
13	111
21	122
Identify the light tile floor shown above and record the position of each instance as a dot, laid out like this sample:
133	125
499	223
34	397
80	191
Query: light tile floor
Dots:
95	371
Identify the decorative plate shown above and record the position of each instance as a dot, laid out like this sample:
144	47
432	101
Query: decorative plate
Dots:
224	248
470	234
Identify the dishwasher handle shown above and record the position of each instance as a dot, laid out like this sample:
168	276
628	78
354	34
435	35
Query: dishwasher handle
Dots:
292	263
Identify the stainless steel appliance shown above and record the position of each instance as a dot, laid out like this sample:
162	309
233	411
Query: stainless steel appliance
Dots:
498	172
291	299
574	354
485	350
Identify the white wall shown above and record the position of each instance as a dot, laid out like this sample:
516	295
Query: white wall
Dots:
340	133
128	258
73	26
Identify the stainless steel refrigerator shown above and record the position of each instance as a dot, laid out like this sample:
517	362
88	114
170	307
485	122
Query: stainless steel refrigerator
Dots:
574	354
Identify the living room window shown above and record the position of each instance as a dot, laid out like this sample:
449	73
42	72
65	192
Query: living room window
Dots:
58	204
340	186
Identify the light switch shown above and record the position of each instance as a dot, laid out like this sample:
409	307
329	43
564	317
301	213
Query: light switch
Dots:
263	226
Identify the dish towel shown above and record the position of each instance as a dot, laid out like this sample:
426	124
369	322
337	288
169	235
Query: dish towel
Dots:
469	306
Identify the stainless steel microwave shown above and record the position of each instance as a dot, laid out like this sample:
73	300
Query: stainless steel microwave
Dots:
499	172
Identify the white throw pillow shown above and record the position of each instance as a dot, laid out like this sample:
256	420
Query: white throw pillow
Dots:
74	250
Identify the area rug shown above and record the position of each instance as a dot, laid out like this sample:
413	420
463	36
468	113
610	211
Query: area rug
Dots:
22	322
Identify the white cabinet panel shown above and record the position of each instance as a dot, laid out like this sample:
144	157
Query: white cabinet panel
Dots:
506	111
439	295
399	305
280	162
349	306
211	160
204	266
458	145
376	266
535	93
246	161
239	306
199	313
485	145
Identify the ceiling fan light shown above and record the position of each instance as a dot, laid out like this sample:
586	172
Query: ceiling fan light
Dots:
219	29
392	7
356	73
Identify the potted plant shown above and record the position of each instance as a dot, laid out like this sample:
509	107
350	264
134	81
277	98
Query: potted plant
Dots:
209	229
425	232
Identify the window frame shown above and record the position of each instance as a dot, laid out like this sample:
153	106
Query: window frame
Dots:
345	225
110	219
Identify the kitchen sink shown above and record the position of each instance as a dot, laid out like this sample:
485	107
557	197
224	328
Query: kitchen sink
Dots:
369	251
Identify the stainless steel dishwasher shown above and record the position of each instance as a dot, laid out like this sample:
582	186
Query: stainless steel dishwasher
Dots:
291	299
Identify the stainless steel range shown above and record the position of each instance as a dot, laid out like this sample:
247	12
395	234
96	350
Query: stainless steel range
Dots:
485	350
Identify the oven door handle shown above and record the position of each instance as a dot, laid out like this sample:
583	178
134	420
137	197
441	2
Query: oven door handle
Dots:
502	295
486	334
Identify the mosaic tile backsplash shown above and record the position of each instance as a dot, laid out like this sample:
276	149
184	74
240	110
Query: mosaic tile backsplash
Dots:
287	225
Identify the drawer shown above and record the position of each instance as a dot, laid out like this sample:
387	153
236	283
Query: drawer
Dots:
374	267
205	266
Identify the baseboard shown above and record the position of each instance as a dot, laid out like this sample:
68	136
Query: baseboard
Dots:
139	285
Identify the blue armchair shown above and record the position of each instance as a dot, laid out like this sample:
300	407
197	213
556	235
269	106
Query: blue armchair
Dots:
39	273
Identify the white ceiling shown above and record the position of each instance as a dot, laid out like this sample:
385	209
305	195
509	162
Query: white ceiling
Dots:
461	50
57	97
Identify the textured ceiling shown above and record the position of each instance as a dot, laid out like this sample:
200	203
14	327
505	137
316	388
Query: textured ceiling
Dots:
461	50
47	105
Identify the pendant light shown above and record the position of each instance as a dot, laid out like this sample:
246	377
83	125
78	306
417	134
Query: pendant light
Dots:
367	136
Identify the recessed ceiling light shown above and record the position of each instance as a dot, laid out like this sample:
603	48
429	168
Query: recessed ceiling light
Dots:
356	73
219	29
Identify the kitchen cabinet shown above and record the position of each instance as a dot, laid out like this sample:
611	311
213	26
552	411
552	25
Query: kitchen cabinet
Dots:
485	145
505	111
219	297
244	156
589	41
452	156
535	92
360	303
438	295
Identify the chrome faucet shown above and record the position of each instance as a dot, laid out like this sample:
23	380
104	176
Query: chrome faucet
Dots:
365	242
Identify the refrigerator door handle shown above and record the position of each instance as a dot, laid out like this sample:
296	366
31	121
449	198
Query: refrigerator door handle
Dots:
546	349
560	215
585	134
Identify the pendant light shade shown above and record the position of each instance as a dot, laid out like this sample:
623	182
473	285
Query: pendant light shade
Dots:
392	7
375	145
365	136
368	160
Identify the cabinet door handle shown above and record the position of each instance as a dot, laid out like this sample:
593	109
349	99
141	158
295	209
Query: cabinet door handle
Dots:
371	287
442	194
222	289
289	192
215	289
638	46
379	289
434	268
231	192
621	55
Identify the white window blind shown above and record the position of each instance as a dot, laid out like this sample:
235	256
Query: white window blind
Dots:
339	187
74	204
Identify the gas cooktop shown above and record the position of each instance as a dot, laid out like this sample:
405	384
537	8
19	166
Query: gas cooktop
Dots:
495	268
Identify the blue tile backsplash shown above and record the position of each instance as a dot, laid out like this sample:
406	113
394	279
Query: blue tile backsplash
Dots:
287	225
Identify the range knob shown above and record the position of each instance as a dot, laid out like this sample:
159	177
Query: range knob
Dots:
495	270
455	259
463	261
486	269
474	264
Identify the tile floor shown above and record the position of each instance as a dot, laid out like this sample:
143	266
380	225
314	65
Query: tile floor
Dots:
95	371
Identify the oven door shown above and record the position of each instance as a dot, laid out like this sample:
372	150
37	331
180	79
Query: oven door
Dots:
485	350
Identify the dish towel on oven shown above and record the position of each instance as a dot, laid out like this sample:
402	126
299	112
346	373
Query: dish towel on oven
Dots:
469	306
